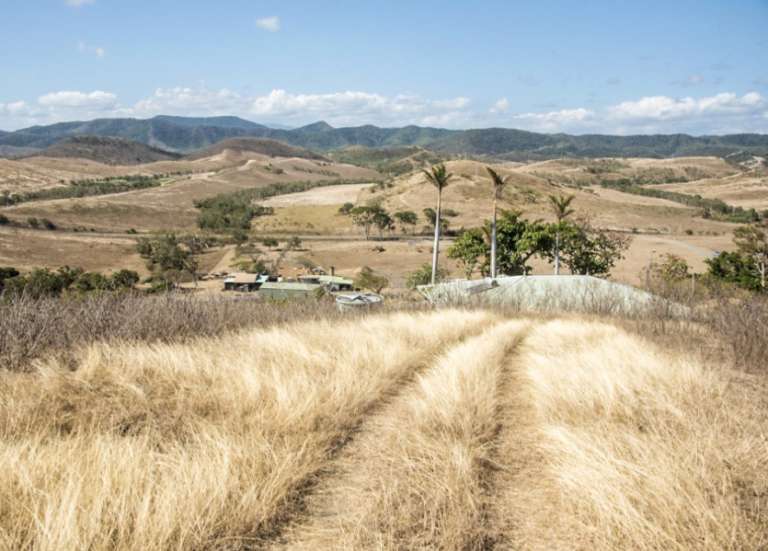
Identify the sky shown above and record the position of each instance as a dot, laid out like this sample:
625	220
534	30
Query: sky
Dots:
616	67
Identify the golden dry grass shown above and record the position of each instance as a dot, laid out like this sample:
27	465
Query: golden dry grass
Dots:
203	445
645	449
443	430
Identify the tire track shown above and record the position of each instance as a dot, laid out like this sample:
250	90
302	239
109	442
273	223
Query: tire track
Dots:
417	473
518	463
302	501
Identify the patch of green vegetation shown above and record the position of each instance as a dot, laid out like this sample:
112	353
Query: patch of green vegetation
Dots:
84	188
235	210
393	161
712	208
44	282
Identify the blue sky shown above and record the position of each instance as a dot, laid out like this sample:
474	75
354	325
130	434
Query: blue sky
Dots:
553	66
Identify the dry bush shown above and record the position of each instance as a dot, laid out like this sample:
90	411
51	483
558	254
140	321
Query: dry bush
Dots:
31	328
205	444
644	449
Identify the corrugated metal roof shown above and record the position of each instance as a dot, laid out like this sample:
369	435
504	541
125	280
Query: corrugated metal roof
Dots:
288	286
242	278
335	279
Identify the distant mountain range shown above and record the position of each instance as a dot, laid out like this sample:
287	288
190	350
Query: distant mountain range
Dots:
187	134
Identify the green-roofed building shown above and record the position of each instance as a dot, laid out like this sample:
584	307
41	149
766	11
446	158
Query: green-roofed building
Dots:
282	290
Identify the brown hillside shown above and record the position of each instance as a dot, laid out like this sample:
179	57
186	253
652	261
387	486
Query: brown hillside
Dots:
110	151
271	148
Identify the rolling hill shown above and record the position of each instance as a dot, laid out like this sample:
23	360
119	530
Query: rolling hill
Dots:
110	151
185	134
271	148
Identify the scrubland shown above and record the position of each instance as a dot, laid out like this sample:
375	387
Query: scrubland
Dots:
293	427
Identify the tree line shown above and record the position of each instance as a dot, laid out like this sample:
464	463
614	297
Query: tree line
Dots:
84	188
711	207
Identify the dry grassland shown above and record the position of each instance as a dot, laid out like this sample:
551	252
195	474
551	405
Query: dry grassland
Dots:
444	430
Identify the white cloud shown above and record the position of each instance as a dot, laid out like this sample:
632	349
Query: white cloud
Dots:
93	100
663	108
14	108
455	103
271	24
100	52
718	114
556	120
78	3
501	106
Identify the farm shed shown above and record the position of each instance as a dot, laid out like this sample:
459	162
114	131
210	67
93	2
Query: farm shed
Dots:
331	282
244	282
280	290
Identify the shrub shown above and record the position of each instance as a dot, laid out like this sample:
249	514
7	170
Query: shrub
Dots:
368	279
423	276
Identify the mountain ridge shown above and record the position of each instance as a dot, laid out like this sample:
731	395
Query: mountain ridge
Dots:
188	134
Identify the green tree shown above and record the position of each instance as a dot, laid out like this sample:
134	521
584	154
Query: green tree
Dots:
424	276
382	220
560	206
294	243
518	240
498	186
365	217
346	208
752	241
736	268
589	251
368	279
124	279
406	218
167	259
439	177
6	272
470	248
4	220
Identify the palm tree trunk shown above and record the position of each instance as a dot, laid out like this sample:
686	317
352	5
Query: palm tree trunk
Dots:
493	239
436	247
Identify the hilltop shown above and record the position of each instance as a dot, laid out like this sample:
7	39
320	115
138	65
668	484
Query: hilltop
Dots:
270	148
110	151
186	134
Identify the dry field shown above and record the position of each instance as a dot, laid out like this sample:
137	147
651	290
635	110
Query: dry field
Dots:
435	430
171	206
657	226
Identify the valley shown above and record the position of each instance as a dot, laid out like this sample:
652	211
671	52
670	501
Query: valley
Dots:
107	225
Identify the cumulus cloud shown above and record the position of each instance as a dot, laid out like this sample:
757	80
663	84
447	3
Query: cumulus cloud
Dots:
271	24
721	113
662	108
14	108
555	120
501	106
93	100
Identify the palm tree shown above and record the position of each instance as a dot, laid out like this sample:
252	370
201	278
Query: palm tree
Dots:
498	186
560	205
438	176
